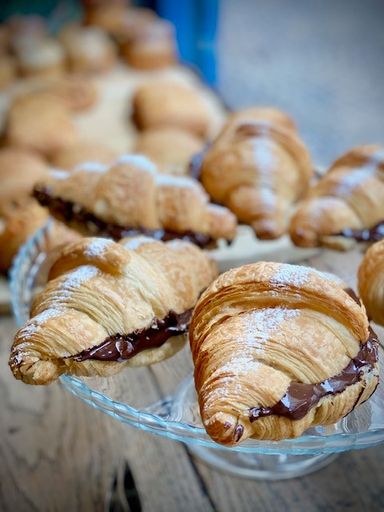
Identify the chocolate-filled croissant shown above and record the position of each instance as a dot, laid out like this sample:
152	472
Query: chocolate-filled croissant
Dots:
258	167
278	348
346	205
371	282
110	305
130	198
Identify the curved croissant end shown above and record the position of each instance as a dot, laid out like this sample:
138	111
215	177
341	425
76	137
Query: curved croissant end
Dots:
371	282
349	197
264	330
258	167
107	306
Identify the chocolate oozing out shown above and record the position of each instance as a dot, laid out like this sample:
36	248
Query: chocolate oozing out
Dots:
300	398
121	347
70	212
353	295
373	234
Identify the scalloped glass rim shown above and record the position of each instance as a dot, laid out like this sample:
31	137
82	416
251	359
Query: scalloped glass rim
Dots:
23	275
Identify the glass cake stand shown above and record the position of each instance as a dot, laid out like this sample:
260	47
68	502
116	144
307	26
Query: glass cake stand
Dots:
161	399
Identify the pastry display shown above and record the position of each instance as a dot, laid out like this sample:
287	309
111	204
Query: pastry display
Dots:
170	148
20	215
76	92
258	167
39	121
347	204
159	104
153	47
130	198
44	57
81	151
107	306
279	348
371	282
89	50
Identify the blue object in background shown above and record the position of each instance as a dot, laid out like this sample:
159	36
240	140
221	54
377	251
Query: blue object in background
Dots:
196	26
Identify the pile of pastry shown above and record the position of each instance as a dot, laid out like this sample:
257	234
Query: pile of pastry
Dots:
277	348
107	32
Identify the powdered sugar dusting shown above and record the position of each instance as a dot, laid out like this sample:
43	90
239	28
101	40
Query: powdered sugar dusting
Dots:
354	179
137	241
91	167
39	319
79	276
137	160
175	181
291	275
58	174
218	208
97	247
257	328
296	275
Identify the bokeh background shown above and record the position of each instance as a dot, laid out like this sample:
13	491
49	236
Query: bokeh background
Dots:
321	60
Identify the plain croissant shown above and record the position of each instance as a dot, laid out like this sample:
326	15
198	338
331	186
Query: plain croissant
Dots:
278	348
110	305
371	282
130	198
346	203
258	167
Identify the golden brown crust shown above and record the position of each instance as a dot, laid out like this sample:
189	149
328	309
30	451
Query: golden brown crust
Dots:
18	221
44	57
350	195
40	122
154	47
83	151
170	148
121	22
259	327
371	282
131	193
99	288
76	92
159	103
19	171
20	215
258	168
89	50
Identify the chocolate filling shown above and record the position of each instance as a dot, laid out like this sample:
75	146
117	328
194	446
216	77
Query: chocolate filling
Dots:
121	347
70	212
353	295
300	398
373	234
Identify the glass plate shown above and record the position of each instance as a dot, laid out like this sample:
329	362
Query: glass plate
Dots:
161	399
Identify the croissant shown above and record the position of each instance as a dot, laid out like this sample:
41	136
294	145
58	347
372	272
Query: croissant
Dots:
347	204
371	282
278	348
110	305
130	198
258	167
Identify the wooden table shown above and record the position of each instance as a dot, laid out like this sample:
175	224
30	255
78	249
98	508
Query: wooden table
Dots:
56	453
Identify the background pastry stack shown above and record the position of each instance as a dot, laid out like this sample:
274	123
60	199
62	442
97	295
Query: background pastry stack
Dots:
108	134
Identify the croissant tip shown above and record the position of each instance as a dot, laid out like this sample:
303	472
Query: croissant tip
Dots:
38	373
267	229
225	429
